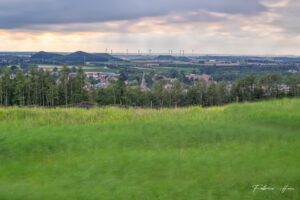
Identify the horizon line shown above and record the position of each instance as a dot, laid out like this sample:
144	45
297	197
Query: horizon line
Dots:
195	54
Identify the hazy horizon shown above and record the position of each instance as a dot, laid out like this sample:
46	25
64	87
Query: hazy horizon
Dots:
214	27
146	53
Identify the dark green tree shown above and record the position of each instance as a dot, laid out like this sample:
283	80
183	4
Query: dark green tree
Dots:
20	88
64	74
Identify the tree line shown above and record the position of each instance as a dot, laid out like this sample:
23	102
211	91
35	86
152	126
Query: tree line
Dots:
39	87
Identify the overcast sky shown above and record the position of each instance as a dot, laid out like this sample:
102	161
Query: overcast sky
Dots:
256	27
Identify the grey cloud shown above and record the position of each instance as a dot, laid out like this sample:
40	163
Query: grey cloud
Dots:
290	17
26	13
129	26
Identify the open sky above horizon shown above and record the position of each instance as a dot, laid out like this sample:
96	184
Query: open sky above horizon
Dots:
257	27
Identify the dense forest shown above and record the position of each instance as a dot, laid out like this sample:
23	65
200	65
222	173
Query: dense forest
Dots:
38	87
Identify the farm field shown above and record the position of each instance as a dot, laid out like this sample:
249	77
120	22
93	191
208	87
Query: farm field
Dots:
170	154
109	70
100	69
85	68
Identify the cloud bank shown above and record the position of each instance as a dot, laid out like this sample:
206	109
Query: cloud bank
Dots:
23	13
206	26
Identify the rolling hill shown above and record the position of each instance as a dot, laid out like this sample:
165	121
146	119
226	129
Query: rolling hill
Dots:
78	57
45	56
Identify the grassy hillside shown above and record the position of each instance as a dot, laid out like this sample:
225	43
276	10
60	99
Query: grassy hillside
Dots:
176	154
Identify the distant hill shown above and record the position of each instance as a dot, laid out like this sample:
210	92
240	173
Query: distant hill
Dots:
81	56
169	58
183	59
172	58
10	59
78	57
108	56
45	56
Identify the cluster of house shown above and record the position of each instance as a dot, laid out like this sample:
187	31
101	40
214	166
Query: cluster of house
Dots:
194	77
103	79
207	78
3	60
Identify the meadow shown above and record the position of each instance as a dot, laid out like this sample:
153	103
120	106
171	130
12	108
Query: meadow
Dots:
170	154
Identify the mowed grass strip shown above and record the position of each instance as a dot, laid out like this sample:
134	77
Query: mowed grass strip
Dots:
189	153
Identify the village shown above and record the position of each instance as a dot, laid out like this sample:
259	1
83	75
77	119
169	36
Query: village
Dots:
103	79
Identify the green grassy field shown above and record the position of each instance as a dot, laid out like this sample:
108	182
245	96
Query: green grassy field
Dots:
171	154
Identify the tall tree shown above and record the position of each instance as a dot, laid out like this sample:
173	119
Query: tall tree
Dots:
159	92
51	90
212	94
293	82
197	93
119	89
80	84
64	74
20	88
222	93
176	93
271	84
7	89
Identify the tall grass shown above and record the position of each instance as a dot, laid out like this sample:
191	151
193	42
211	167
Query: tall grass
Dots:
187	153
15	116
